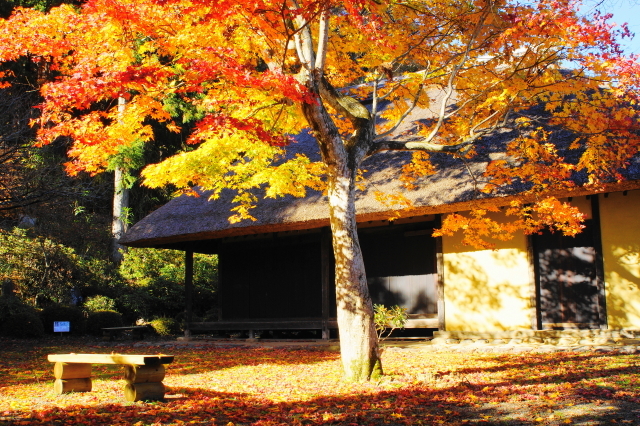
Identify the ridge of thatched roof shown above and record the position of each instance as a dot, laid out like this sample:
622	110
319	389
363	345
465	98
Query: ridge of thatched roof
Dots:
451	188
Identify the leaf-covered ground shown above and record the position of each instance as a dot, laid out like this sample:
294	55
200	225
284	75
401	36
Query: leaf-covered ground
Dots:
260	386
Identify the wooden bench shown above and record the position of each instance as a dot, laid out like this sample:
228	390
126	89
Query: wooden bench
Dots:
143	373
110	333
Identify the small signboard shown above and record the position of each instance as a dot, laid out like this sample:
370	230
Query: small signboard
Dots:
61	326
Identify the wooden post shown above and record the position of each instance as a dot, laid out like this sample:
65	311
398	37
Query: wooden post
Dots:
144	391
144	382
144	373
72	385
65	370
326	251
442	325
71	377
188	288
534	289
599	262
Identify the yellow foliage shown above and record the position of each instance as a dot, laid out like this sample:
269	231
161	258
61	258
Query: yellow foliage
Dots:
467	67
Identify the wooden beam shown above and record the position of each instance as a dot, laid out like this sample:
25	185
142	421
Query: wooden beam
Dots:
442	325
112	359
534	291
599	261
328	267
423	323
188	290
303	324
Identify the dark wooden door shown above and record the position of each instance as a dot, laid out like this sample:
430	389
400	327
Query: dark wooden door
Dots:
567	271
401	268
275	278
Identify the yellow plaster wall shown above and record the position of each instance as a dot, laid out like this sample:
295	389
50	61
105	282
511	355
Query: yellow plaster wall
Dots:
582	203
486	290
620	227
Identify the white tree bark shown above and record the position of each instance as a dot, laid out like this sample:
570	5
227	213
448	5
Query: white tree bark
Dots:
120	204
118	224
358	339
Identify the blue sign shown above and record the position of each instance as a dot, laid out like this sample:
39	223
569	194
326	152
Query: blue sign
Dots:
61	326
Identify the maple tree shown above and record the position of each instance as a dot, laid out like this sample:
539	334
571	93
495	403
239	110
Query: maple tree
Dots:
253	75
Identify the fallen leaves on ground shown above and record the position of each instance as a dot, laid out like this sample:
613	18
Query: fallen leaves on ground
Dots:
236	386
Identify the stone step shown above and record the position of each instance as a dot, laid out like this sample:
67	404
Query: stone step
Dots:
552	337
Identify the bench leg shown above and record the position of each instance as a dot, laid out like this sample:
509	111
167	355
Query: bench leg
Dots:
144	382
71	377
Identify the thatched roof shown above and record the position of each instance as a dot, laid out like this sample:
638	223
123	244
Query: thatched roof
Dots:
451	188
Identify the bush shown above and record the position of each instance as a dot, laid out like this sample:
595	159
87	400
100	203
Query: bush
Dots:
43	270
181	318
72	314
98	320
156	280
47	272
23	324
135	304
99	303
389	318
165	326
10	306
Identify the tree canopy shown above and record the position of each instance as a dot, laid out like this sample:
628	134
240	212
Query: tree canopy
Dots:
252	75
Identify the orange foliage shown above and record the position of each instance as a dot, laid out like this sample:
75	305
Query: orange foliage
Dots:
479	227
262	386
243	71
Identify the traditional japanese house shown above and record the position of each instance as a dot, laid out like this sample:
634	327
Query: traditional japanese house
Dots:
276	273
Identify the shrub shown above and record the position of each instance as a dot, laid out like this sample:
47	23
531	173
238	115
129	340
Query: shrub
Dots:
165	326
212	315
72	314
156	279
182	317
135	304
99	303
98	320
47	272
389	318
10	306
23	324
43	270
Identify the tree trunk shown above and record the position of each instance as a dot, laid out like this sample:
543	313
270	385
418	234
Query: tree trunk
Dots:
118	223
358	338
120	203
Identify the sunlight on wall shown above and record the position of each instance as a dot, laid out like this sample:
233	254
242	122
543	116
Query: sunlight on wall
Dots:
486	290
582	203
621	253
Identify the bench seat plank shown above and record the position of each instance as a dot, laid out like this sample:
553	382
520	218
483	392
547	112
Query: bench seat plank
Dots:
112	359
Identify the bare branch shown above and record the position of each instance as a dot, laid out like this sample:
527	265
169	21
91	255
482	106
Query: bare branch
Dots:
346	105
323	40
304	41
450	89
414	103
419	146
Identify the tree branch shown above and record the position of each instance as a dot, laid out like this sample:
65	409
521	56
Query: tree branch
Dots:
304	41
323	40
454	73
414	103
419	146
345	105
